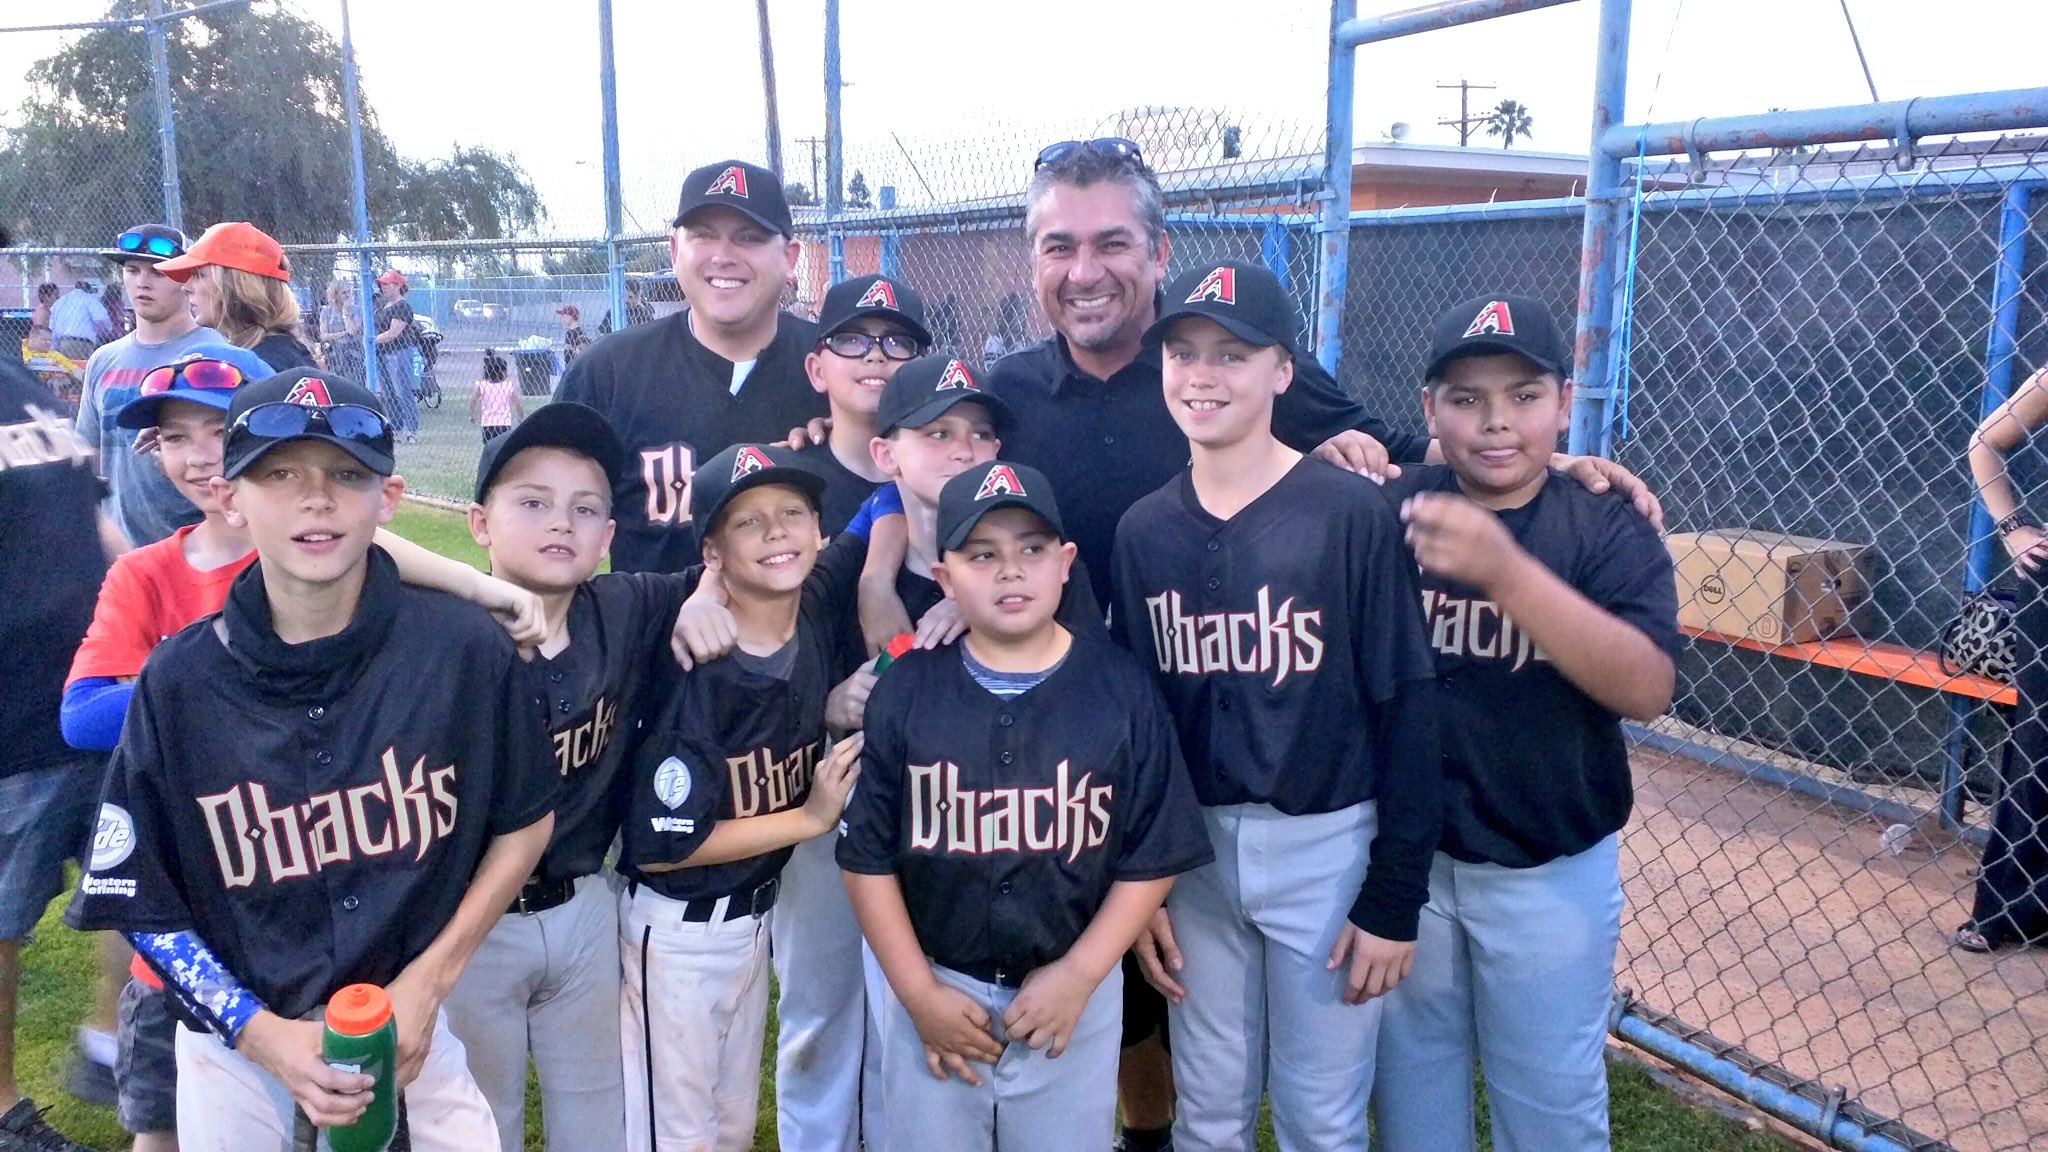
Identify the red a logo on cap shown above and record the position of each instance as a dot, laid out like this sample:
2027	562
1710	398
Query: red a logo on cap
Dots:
310	392
879	294
732	181
956	376
1219	285
750	459
1494	319
1000	481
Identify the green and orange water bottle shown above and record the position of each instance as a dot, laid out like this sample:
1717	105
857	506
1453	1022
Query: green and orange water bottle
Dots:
898	644
362	1037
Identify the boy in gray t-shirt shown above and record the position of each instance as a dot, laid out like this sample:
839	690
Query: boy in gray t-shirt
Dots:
144	504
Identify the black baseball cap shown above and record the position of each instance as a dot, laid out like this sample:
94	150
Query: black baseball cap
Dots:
980	490
1245	299
152	243
849	300
745	466
306	404
922	390
749	189
565	424
1490	325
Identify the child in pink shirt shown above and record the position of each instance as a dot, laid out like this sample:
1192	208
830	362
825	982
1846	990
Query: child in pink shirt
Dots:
494	405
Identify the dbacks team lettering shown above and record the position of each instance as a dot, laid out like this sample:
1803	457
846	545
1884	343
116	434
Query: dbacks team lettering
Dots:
667	471
1280	641
762	784
1477	629
1071	816
403	810
575	747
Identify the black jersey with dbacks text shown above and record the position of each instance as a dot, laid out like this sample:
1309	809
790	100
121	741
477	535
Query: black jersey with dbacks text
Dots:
670	399
598	692
316	846
1534	768
733	743
1007	820
845	489
1079	611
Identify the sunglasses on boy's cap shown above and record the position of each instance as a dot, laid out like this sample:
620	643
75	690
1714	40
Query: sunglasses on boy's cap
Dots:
306	404
146	242
208	374
1108	147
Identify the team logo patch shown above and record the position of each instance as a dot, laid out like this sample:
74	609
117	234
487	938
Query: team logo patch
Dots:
880	294
310	392
956	375
1219	285
113	838
749	460
732	182
672	783
1000	481
1495	319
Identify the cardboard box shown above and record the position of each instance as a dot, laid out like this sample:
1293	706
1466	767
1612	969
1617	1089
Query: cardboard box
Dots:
1767	586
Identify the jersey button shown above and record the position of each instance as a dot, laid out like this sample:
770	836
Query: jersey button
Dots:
563	707
1006	719
349	903
555	676
1007	757
1223	704
323	757
1213	545
1109	439
1215	582
1003	888
315	712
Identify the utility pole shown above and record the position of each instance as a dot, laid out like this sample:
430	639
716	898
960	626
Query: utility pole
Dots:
813	143
1465	119
768	89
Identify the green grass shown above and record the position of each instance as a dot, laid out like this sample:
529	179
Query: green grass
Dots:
58	967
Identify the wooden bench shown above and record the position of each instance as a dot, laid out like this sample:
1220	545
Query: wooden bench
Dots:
1901	665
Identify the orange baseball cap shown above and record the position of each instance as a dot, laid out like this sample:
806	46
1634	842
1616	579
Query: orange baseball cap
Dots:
394	276
231	244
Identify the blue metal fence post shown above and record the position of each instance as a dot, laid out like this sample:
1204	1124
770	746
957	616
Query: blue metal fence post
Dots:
1600	251
166	123
1334	254
614	212
1276	248
892	240
366	290
835	182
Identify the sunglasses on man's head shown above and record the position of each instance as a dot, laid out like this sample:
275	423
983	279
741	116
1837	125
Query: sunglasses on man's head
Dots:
207	375
282	421
1112	147
855	345
139	243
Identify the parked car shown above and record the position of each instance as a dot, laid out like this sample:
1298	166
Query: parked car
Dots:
480	310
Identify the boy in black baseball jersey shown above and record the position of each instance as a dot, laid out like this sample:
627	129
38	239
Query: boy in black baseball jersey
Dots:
1553	615
868	327
1271	594
722	790
307	793
1022	813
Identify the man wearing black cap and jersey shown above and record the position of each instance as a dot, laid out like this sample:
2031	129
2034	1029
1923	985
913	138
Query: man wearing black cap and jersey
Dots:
730	368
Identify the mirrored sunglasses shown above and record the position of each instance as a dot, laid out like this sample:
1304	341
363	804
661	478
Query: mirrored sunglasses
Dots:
1114	147
139	243
205	375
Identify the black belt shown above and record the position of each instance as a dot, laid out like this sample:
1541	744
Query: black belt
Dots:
1001	975
538	895
704	910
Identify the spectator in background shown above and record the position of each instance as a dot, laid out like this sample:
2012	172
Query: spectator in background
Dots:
1008	336
117	313
945	323
77	318
638	311
62	375
574	338
341	332
240	282
2011	902
46	295
494	402
398	334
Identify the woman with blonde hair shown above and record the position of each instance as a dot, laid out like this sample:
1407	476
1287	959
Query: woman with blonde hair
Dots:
241	287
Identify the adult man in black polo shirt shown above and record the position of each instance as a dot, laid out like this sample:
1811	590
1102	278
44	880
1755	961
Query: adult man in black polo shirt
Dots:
728	369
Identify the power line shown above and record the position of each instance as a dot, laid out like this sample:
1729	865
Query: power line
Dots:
1465	119
1857	41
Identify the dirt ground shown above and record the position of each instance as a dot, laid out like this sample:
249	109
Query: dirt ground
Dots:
1780	923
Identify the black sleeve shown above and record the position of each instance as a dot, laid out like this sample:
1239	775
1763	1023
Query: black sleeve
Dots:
1389	634
870	830
1315	408
653	599
678	789
130	883
835	579
1407	745
1165	835
1128	628
1079	612
525	783
1628	574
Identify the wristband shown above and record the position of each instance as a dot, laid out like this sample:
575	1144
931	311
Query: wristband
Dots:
2017	519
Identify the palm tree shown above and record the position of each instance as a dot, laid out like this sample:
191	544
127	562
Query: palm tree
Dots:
1509	119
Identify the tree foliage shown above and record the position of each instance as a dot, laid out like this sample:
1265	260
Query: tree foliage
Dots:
1510	121
262	135
857	194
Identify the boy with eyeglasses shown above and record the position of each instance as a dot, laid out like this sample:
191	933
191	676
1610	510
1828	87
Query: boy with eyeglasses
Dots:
337	779
869	327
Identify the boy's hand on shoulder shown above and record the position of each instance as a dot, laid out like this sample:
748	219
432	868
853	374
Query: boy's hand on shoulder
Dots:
846	706
832	783
1376	965
290	1051
1354	451
704	628
520	611
942	625
816	431
1048	1008
955	1032
1595	474
1456	538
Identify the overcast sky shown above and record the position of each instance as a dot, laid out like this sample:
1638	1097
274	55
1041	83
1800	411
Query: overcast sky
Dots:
972	89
